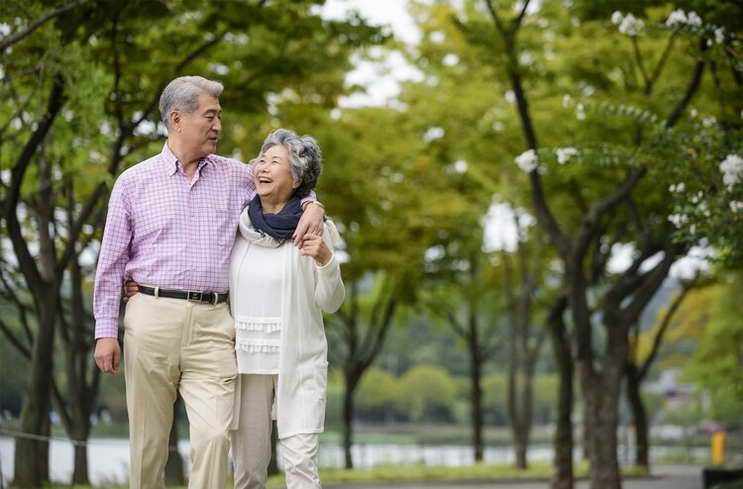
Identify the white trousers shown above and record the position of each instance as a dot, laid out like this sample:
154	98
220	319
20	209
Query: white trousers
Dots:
251	442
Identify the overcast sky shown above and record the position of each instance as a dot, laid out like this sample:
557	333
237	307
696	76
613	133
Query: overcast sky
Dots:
380	79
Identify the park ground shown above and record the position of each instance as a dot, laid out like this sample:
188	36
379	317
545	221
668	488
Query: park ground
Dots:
666	477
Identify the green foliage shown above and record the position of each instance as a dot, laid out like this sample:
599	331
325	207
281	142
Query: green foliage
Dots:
427	393
379	396
716	365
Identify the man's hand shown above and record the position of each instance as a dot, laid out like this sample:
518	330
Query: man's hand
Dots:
310	222
107	355
313	246
131	288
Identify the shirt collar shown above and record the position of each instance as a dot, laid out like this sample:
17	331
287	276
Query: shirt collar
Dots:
170	161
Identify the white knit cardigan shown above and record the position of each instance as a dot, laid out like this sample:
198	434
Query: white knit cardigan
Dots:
308	289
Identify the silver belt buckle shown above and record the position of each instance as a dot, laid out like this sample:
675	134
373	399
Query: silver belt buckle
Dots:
193	296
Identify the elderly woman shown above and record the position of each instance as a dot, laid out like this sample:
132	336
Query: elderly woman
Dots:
278	293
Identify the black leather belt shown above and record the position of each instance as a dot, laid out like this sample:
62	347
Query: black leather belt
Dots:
202	297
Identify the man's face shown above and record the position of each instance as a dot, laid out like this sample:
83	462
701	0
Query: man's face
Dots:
199	131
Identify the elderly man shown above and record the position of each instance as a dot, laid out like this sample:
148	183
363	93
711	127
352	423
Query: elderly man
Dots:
170	227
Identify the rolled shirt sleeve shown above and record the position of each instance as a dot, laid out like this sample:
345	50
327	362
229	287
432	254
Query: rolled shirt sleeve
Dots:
112	262
311	197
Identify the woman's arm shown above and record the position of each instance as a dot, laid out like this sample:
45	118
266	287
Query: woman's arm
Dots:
329	289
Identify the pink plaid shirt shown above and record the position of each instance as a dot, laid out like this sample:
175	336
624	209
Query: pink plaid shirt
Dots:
165	230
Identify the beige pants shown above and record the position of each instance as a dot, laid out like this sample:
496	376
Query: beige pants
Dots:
251	443
172	345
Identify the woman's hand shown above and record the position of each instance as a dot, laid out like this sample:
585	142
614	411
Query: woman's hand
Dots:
131	288
310	222
313	245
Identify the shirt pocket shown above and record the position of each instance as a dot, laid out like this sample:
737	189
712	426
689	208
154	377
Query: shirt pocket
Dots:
222	225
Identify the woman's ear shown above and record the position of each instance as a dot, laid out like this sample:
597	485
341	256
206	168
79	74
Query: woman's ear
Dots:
296	184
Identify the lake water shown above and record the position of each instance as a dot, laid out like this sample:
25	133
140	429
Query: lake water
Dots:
108	458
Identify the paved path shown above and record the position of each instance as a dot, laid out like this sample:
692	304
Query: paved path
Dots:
670	477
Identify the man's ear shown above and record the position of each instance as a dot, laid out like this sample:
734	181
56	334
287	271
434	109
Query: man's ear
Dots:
175	120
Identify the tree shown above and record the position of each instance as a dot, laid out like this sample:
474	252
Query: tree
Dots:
520	289
460	280
377	214
638	368
108	75
622	302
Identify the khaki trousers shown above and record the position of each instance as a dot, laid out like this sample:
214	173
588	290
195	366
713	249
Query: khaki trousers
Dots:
251	443
170	346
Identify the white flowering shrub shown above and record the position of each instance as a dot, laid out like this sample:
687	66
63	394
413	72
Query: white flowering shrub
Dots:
677	20
706	201
564	154
631	25
678	220
732	170
527	161
627	24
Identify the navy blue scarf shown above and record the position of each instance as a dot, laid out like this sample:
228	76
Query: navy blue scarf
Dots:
280	226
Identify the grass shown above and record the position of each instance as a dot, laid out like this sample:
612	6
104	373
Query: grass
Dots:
392	474
408	473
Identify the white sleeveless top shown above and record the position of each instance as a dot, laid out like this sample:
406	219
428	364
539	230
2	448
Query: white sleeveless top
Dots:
258	311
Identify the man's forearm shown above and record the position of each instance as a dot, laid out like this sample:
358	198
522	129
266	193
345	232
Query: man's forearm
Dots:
310	199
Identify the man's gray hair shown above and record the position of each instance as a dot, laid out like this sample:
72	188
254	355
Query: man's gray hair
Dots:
305	157
183	94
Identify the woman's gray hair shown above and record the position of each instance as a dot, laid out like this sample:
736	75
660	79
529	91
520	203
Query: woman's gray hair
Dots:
305	157
183	94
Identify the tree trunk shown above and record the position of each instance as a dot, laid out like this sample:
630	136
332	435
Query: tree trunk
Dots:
639	419
520	446
174	474
512	402
563	477
602	400
520	405
79	433
476	400
586	433
520	414
604	463
80	472
31	465
351	380
527	409
83	377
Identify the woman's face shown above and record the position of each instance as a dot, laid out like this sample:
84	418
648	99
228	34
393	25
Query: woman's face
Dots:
273	176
